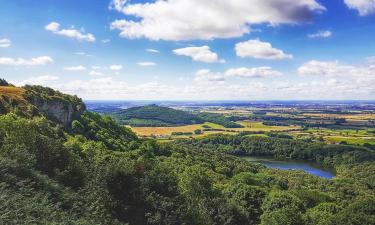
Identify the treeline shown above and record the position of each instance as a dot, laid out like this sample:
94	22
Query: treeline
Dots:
219	119
157	116
153	115
286	148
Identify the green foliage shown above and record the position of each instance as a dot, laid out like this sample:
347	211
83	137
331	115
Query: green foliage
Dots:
323	214
153	116
219	119
361	212
287	148
158	116
106	130
276	200
283	216
281	207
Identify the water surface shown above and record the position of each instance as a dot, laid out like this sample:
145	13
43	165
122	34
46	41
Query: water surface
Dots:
311	168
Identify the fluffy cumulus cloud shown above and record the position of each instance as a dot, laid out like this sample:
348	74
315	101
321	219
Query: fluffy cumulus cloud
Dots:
364	7
145	64
96	73
212	86
115	67
5	43
256	72
321	34
204	75
199	54
242	72
37	61
363	73
39	80
260	50
207	19
55	28
326	68
75	68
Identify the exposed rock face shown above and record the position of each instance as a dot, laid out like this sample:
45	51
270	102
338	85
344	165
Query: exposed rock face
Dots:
55	105
29	101
63	112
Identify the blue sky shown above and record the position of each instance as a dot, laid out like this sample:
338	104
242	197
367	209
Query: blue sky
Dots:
192	49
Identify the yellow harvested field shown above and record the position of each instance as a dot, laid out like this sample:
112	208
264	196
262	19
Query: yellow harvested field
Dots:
363	116
248	126
258	126
165	131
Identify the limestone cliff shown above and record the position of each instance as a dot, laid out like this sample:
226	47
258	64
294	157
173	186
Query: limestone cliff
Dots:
31	101
55	105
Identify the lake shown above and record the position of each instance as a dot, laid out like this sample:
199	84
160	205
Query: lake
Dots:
311	168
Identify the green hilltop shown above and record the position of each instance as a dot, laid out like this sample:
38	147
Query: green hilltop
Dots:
159	116
153	115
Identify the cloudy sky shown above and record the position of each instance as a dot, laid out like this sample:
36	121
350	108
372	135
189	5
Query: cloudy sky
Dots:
192	49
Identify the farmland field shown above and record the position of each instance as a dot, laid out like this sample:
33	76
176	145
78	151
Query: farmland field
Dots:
248	126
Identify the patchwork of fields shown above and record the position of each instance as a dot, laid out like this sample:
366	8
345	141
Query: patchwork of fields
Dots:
251	126
351	127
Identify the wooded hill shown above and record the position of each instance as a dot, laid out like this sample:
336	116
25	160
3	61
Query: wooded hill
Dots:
158	116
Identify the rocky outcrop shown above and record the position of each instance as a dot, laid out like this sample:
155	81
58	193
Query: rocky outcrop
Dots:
59	111
55	105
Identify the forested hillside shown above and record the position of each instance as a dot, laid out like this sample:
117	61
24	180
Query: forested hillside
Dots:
158	116
153	115
61	164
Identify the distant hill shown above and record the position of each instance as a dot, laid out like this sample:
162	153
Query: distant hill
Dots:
158	116
155	116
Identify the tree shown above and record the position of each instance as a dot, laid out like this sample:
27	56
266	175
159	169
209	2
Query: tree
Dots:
198	131
3	82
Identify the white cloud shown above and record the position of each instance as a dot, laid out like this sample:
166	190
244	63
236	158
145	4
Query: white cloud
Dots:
5	43
255	72
207	75
259	50
116	67
321	34
54	27
371	60
37	61
207	19
199	54
146	64
106	41
95	73
152	50
364	72
75	68
324	68
110	88
40	80
96	67
364	7
117	5
83	54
